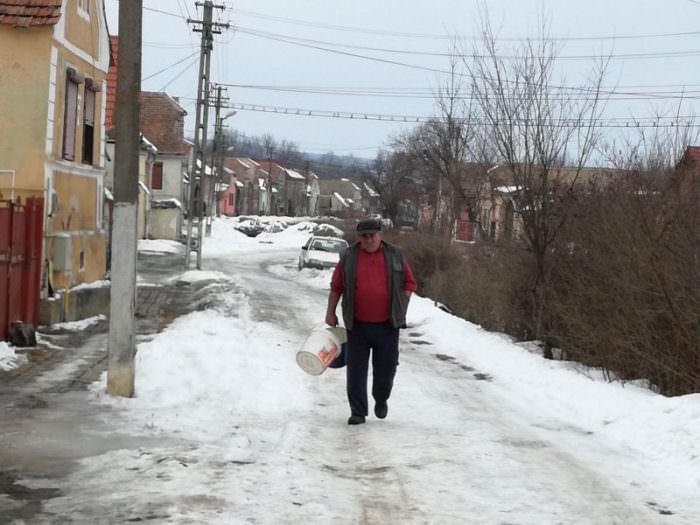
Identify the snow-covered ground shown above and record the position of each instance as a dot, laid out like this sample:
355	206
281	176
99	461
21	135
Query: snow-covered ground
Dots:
480	429
9	359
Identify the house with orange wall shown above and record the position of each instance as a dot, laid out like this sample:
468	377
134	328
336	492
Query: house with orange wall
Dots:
54	56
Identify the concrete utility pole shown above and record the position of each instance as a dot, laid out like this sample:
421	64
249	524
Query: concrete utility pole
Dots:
122	348
217	155
199	183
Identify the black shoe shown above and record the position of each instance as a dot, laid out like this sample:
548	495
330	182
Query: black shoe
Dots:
356	420
381	410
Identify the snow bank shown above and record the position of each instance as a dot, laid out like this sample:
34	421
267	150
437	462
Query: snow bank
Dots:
8	358
656	427
160	245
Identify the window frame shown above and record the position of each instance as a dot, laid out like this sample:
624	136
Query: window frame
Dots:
157	164
89	116
84	8
71	99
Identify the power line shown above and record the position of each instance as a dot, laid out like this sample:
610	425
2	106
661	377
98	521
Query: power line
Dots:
163	45
610	122
443	37
426	93
355	29
185	70
162	12
170	66
612	56
187	9
300	42
599	91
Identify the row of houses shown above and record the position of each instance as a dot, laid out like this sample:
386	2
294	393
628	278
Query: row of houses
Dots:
57	149
56	164
250	187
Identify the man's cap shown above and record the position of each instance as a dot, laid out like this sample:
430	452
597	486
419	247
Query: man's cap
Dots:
369	226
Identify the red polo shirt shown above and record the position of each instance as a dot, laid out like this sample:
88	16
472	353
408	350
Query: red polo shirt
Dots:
371	291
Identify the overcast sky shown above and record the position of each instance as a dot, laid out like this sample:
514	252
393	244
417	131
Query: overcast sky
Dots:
257	51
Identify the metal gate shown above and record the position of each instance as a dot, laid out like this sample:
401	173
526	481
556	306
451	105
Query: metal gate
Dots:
20	261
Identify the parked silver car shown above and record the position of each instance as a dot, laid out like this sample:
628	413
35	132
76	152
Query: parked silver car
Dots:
321	252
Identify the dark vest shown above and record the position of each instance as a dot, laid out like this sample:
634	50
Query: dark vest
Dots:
398	302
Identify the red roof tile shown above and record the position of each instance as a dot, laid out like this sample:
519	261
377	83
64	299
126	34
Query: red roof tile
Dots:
26	13
111	81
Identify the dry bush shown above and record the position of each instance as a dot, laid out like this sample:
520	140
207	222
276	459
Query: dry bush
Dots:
624	294
478	282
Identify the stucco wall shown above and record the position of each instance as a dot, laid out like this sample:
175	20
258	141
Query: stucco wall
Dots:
24	92
164	223
78	26
172	178
77	203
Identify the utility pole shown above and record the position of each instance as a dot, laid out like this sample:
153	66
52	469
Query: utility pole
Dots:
198	181
217	155
122	348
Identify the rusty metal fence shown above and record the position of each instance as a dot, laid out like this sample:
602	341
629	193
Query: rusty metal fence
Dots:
21	236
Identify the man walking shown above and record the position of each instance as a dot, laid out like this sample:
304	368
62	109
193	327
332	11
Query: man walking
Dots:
376	283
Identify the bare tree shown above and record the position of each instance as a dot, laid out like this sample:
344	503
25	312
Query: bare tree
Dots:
536	128
392	179
446	147
636	232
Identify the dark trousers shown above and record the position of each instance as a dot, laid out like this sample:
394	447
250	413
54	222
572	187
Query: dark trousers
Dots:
383	340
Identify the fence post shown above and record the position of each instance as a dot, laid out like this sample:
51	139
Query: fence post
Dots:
5	235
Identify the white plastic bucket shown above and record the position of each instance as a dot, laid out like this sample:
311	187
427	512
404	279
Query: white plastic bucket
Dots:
321	347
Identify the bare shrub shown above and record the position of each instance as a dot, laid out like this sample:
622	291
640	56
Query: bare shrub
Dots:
482	283
625	293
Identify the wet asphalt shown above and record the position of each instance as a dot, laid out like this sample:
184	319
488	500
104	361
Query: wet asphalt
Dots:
46	425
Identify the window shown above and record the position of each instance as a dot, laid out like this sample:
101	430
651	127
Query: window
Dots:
157	176
88	124
70	116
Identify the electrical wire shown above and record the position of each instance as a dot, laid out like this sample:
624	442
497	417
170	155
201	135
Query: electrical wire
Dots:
612	56
428	94
591	90
610	122
162	12
355	29
170	66
185	70
300	42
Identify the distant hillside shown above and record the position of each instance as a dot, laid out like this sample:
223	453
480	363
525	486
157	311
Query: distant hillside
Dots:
325	165
332	166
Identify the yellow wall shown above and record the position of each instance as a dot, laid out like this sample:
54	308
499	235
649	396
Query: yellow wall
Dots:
76	214
77	203
31	107
79	31
24	94
93	246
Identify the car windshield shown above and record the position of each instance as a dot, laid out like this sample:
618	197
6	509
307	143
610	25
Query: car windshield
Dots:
328	245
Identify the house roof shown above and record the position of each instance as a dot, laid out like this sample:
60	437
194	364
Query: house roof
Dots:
501	176
162	120
26	13
244	168
693	153
341	200
111	81
370	191
343	187
295	174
